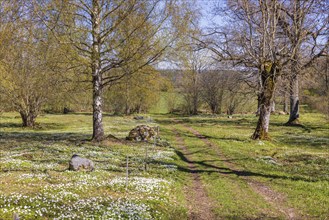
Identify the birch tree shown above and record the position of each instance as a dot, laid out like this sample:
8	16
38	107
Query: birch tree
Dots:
95	27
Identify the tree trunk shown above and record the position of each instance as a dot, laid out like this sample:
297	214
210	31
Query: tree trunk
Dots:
214	109
28	119
195	105
268	79
258	104
273	107
213	103
327	83
220	101
231	108
127	109
127	99
294	101
285	102
98	131
261	131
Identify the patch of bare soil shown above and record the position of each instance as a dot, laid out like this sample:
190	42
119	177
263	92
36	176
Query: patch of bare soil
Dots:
199	204
276	199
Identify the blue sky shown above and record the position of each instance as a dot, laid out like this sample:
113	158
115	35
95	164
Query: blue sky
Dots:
207	11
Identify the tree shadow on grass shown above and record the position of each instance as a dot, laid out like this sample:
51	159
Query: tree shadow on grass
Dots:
204	121
190	135
44	137
307	141
209	168
38	126
11	125
90	114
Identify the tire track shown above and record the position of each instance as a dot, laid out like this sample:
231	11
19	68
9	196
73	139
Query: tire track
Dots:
276	199
199	204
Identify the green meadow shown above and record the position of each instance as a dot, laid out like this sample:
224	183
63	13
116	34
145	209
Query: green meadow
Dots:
241	177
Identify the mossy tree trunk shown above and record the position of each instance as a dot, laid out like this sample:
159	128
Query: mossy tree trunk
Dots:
269	73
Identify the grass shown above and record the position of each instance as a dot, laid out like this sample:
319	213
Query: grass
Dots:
228	191
298	167
35	182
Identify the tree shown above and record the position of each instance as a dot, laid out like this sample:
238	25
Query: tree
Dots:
249	40
97	30
315	86
194	63
213	85
304	24
135	93
27	58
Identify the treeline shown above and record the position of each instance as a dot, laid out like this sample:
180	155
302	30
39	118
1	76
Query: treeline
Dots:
209	91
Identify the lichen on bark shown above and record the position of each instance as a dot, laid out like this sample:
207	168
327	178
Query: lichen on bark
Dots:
269	71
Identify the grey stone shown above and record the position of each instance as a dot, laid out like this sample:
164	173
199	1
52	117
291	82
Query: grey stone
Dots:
269	160
15	216
77	163
138	117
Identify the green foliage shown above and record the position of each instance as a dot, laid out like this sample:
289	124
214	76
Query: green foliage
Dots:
33	68
135	93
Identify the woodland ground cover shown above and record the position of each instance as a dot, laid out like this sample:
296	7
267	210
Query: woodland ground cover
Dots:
34	181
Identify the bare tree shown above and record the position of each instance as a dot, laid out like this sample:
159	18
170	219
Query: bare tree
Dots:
305	28
194	63
213	86
253	43
222	88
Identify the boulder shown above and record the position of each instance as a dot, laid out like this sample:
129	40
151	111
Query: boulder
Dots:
142	133
138	117
77	163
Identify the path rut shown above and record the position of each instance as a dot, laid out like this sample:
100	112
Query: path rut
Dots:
199	204
276	199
